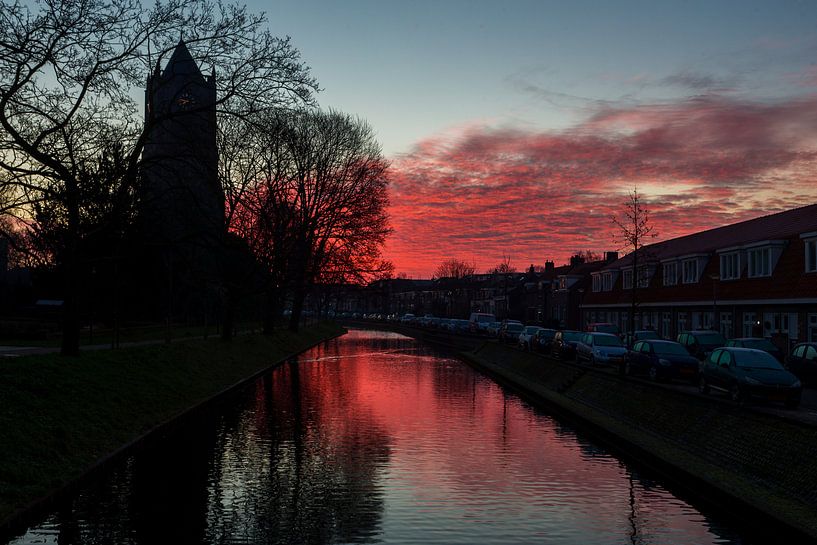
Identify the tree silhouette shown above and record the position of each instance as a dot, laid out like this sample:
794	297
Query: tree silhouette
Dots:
68	73
454	268
633	228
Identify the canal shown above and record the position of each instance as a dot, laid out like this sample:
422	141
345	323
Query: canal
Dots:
374	438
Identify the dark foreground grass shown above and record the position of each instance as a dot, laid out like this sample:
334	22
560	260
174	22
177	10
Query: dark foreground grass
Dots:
58	416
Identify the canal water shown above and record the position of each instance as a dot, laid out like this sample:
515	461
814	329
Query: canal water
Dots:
374	438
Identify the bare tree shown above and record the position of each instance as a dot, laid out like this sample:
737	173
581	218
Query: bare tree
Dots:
454	268
504	267
634	228
588	255
68	75
317	212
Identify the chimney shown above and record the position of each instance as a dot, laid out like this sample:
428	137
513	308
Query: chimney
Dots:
549	266
609	257
576	260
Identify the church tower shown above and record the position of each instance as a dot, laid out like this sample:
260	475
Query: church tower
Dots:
182	202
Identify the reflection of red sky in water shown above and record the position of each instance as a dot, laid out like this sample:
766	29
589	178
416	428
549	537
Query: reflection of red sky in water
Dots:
702	163
453	433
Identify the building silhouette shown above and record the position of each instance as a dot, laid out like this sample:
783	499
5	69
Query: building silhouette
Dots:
182	202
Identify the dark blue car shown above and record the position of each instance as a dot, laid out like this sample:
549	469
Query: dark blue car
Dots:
660	360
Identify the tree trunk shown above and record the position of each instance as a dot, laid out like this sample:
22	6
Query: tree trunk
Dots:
298	296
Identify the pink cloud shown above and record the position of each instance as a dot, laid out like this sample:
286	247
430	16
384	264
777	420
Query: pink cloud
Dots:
536	196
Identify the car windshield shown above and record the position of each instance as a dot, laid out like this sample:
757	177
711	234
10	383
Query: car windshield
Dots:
605	340
760	344
641	335
514	327
710	339
671	349
756	360
571	335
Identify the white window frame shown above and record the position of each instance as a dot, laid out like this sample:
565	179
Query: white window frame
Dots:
749	323
730	266
607	281
810	251
760	262
670	273
690	274
596	283
725	324
627	279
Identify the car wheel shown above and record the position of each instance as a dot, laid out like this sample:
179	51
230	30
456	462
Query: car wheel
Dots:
703	387
736	393
653	373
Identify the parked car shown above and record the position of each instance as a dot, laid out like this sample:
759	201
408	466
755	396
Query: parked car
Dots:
660	360
564	344
600	349
746	373
460	326
603	327
758	343
642	335
509	331
803	362
543	340
527	336
407	319
479	322
701	343
493	329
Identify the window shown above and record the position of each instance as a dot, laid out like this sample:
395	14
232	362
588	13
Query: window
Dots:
690	270
596	283
749	323
811	255
682	321
811	353
666	319
627	279
760	262
812	328
607	281
730	266
670	274
798	352
726	324
643	277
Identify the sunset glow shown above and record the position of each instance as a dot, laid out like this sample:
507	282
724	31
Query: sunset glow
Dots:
537	196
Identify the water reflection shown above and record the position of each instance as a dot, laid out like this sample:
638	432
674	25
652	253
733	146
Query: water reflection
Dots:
374	438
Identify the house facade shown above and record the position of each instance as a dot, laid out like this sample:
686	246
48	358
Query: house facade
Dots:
750	279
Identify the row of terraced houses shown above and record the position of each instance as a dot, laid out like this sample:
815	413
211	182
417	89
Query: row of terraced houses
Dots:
754	278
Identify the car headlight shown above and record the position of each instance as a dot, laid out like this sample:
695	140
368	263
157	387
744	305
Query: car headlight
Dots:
750	380
796	384
665	363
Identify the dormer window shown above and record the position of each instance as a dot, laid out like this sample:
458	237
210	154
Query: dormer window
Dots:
670	273
627	279
644	275
810	240
607	281
730	266
690	271
760	262
596	282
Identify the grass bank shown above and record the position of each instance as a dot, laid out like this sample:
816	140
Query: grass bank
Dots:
60	416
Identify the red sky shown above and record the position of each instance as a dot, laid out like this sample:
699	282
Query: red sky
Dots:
487	192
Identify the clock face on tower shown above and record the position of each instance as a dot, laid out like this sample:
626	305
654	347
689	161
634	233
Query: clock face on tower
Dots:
185	101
